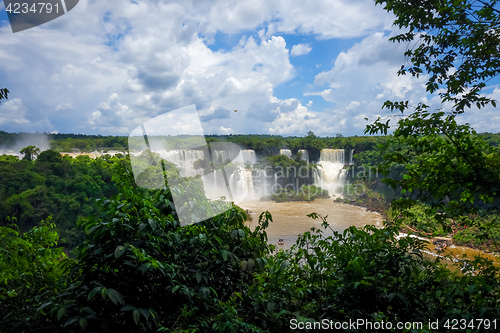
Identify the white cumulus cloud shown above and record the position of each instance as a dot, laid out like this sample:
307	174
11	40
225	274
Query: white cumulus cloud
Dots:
300	49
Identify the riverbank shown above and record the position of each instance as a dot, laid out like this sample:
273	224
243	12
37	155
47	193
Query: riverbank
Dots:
372	202
465	237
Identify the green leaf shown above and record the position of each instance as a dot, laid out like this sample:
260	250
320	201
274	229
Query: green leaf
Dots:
119	251
61	312
83	323
103	292
89	310
128	308
93	292
403	298
70	321
144	312
43	305
115	296
205	292
280	313
137	316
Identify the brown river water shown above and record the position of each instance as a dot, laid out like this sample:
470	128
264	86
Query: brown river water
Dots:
290	220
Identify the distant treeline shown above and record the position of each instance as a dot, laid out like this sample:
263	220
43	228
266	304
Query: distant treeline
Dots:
264	145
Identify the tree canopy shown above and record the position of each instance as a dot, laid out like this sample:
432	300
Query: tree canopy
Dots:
447	164
30	152
455	42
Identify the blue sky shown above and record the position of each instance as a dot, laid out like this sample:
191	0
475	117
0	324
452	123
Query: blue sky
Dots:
288	67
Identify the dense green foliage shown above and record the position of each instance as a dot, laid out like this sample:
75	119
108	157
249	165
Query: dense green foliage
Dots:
31	272
53	185
452	168
138	269
334	277
30	153
140	272
455	42
447	165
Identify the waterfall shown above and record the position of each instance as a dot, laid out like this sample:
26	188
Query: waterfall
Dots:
305	155
233	180
332	155
222	155
184	159
249	156
286	152
215	185
331	173
241	182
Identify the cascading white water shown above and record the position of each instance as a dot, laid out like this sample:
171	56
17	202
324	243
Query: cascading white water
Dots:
305	155
241	180
332	155
331	175
286	152
222	155
184	159
249	156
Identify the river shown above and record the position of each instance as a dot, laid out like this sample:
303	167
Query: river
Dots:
290	218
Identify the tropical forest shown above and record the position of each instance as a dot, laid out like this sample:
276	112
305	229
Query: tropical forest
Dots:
393	229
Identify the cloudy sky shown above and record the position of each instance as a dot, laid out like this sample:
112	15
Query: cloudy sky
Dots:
288	67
